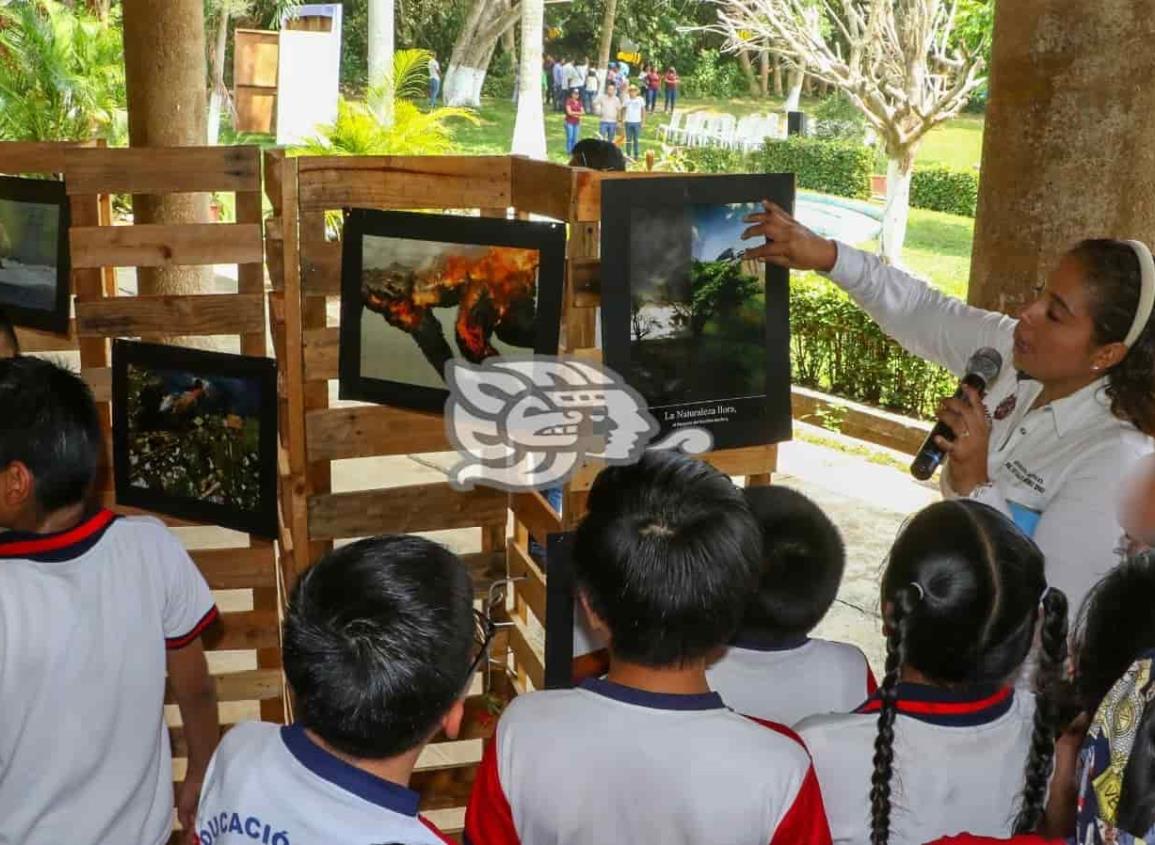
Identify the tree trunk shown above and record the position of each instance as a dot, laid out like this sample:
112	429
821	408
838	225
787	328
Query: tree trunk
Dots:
748	72
607	39
794	97
764	72
100	8
220	95
381	56
779	90
898	176
529	127
488	22
164	63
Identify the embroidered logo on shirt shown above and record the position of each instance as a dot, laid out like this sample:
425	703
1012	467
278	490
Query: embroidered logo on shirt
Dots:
1006	407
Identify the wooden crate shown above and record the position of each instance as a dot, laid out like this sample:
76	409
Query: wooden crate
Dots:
255	56
244	647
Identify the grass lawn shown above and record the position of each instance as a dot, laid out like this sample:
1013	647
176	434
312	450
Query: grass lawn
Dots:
938	249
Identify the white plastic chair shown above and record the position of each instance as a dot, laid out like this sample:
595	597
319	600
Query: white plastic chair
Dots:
721	130
667	132
746	132
689	132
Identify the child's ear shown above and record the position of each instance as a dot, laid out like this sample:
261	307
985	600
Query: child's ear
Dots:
451	721
596	622
16	486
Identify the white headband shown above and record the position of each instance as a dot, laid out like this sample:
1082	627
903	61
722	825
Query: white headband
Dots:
1146	292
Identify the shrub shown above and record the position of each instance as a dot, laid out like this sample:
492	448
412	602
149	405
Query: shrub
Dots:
836	118
842	168
943	189
716	160
714	76
836	347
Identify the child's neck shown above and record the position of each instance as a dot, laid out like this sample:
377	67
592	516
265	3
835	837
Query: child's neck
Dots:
685	679
52	522
396	770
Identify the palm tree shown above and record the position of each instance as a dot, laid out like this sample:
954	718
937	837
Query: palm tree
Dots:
61	73
529	127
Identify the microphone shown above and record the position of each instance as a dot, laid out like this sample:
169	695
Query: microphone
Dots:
982	369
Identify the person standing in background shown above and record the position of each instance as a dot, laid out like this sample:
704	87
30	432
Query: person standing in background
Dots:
653	83
558	80
434	79
608	109
635	115
671	81
573	119
573	79
591	89
583	69
547	82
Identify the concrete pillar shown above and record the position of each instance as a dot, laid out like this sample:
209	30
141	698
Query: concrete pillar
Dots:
166	77
1069	146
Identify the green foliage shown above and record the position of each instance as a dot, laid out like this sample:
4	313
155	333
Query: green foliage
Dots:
715	160
943	189
836	347
61	73
413	131
713	75
836	118
718	287
832	167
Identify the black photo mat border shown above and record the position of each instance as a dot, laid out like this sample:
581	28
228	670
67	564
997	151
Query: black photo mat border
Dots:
44	192
263	521
771	420
547	238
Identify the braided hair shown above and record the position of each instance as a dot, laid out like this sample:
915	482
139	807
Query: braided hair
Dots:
960	593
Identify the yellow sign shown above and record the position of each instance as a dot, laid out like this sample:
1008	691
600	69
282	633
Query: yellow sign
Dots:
632	58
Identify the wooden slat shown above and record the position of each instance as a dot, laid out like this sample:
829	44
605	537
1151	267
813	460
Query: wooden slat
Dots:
166	245
237	568
322	349
539	187
206	314
250	685
337	433
246	630
527	658
449	821
419	507
585	279
752	460
435	182
321	268
534	512
449	755
38	156
99	379
33	341
532	588
164	170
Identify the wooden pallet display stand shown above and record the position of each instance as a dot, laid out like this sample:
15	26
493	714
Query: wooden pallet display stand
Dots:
305	267
244	646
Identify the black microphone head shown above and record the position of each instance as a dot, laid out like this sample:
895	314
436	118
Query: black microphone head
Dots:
986	363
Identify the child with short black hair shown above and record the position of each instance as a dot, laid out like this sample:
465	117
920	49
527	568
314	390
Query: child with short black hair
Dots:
9	345
944	744
93	609
378	639
773	669
664	560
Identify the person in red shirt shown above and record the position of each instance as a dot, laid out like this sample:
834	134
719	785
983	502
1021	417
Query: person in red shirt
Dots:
671	81
573	119
651	83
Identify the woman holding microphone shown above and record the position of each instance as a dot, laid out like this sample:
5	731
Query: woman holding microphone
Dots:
1059	430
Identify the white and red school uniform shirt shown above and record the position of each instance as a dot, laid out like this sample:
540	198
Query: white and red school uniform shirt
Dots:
787	682
85	618
959	763
274	785
605	763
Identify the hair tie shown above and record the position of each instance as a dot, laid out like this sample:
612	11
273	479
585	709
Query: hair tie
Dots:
1146	292
921	591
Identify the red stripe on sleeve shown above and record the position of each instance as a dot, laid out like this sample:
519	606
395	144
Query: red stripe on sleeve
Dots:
805	822
176	643
432	827
488	818
781	729
1022	839
871	682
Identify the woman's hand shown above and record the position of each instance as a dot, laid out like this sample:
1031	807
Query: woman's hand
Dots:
789	243
967	418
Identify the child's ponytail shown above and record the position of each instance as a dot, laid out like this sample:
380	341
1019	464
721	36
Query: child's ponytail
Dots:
905	601
1052	663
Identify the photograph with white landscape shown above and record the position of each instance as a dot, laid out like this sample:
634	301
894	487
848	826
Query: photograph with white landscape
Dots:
29	234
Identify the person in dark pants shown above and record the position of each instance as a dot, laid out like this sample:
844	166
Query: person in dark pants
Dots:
671	81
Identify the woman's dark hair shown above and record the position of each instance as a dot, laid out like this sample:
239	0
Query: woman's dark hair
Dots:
1136	811
666	556
803	559
1114	280
961	591
377	642
1116	624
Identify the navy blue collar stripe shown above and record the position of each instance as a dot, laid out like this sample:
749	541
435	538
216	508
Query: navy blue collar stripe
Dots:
654	700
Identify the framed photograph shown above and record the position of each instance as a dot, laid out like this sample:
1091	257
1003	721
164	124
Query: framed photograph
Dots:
194	435
701	333
418	290
35	272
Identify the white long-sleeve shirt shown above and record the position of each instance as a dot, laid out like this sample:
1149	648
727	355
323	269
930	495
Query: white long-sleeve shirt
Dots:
1057	470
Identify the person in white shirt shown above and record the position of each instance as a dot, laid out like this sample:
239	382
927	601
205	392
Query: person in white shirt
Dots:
573	77
378	639
95	610
635	115
608	108
434	80
773	670
946	744
1073	408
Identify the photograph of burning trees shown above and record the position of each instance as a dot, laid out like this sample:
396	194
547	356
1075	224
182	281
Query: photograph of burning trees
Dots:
33	252
420	290
192	431
705	347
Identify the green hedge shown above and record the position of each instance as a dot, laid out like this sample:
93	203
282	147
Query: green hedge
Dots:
837	348
943	189
832	167
716	160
